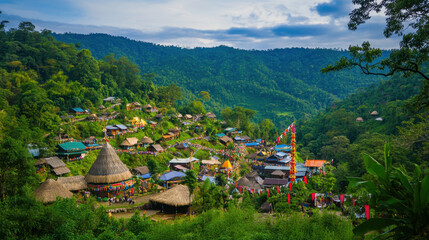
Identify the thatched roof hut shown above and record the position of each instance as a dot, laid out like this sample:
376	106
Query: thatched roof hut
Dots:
49	190
177	196
141	170
73	183
108	168
146	140
129	142
359	119
374	113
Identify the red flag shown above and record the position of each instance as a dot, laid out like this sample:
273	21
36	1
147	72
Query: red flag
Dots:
288	198
290	186
236	184
278	140
253	192
293	127
284	133
268	193
342	198
278	190
107	140
239	188
305	179
367	211
313	196
287	130
353	202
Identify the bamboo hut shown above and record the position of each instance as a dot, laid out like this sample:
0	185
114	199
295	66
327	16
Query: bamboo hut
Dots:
108	173
49	190
177	196
73	183
146	141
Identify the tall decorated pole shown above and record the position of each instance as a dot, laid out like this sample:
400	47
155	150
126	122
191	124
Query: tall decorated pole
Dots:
292	161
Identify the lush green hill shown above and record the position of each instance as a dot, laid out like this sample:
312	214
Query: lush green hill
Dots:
281	84
335	133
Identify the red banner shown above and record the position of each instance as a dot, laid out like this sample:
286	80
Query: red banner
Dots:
305	180
268	193
313	196
290	186
367	211
353	202
278	190
342	198
288	198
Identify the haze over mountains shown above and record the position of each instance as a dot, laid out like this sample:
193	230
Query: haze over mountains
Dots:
281	84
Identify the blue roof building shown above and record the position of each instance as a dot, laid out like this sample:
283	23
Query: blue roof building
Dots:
172	176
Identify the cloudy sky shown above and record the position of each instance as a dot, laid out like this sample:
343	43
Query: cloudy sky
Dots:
247	24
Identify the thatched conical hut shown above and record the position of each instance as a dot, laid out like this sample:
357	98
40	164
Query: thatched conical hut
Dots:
49	190
178	196
108	168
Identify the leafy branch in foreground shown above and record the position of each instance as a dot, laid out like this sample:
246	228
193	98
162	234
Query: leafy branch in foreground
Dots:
401	201
409	19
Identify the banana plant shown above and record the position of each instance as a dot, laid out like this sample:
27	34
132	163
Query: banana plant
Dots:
401	200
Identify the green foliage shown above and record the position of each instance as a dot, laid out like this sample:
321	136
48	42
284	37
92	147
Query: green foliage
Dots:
400	199
280	84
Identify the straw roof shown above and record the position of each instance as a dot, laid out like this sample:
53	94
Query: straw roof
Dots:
147	106
177	196
49	190
61	170
225	139
108	168
245	182
174	130
101	107
73	183
157	148
142	170
130	142
55	162
146	139
278	173
359	119
374	113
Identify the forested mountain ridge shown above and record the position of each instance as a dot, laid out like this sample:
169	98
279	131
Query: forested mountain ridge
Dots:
281	84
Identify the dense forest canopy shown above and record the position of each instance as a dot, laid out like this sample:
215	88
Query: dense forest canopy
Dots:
280	84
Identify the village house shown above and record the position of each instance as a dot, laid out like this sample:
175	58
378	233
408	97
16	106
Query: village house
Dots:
134	106
155	148
130	143
77	111
112	130
71	150
58	167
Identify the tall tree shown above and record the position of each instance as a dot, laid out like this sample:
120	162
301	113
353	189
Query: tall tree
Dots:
409	19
